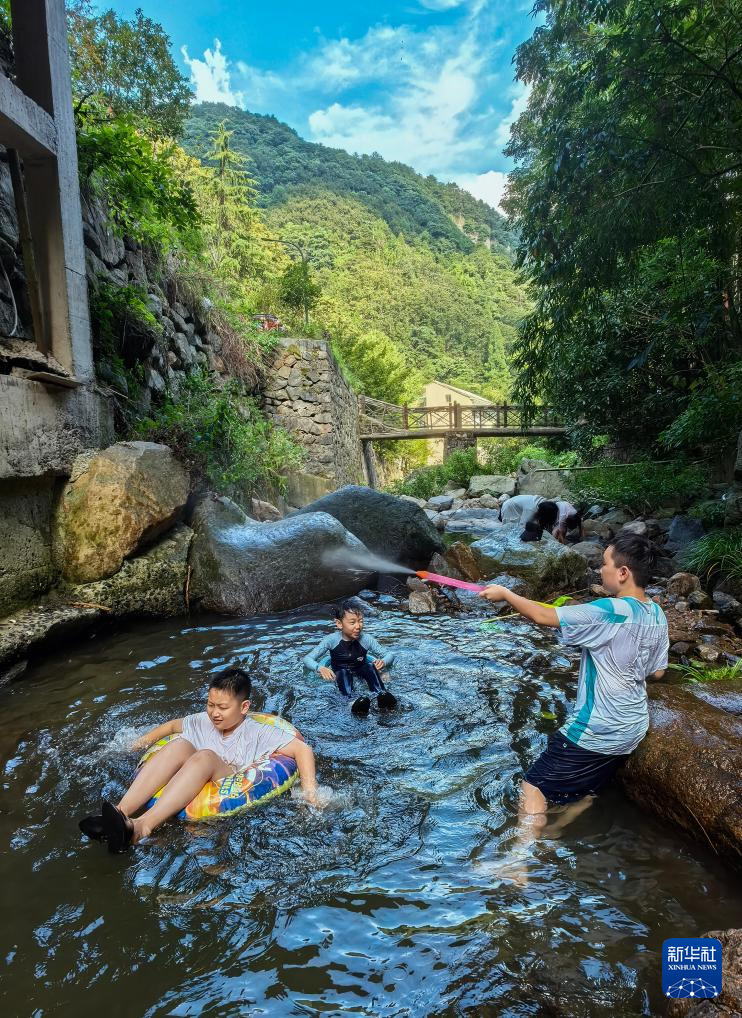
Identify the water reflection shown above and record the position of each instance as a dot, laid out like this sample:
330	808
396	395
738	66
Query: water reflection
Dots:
392	902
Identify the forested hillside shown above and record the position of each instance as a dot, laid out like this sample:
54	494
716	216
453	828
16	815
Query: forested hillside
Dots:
284	164
404	293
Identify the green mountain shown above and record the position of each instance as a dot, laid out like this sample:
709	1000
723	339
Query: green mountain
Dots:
284	165
417	279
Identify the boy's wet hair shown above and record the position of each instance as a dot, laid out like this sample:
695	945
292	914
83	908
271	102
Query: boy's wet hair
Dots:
345	607
232	680
547	515
637	554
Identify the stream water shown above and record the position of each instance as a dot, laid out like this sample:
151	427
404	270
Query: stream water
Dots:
393	901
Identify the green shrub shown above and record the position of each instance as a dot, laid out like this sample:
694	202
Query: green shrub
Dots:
641	487
145	199
223	438
428	481
503	456
719	552
711	514
118	314
696	671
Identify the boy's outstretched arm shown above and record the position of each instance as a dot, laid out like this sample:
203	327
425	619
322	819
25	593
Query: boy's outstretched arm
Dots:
304	756
529	609
174	727
382	658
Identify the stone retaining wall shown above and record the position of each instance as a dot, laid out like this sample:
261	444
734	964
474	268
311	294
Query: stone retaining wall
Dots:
307	394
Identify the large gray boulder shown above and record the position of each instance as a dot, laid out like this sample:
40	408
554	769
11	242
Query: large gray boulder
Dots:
473	521
491	484
242	567
546	565
536	477
116	502
388	526
683	532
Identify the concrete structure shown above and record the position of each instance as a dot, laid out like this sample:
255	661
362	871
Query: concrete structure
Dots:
50	409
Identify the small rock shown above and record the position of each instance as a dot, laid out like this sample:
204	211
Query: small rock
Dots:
416	501
440	503
422	602
708	653
415	583
454	491
592	551
699	600
680	649
682	584
635	527
728	606
491	484
460	558
683	532
616	518
597	528
681	606
264	510
599	590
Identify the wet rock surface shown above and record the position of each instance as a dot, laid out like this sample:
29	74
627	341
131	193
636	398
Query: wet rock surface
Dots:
545	565
115	502
688	769
388	526
242	567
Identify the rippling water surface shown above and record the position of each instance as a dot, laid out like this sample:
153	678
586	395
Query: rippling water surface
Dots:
410	895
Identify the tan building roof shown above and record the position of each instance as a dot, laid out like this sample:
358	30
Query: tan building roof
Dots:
456	391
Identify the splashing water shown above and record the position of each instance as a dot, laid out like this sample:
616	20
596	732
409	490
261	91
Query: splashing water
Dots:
362	561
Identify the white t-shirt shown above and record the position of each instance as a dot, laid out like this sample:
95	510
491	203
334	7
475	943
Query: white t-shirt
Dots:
520	508
565	509
249	743
623	641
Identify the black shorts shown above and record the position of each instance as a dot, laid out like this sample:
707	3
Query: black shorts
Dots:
566	772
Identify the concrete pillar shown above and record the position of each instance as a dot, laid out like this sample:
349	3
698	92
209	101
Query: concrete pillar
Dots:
52	186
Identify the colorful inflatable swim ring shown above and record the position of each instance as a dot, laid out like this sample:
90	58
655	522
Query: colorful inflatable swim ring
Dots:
243	790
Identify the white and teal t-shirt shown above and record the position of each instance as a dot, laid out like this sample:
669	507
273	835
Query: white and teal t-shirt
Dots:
623	640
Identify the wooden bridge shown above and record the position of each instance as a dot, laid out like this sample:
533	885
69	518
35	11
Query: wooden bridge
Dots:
385	420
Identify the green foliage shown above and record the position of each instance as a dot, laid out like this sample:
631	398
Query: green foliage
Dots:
459	467
298	290
719	552
285	165
642	487
503	456
627	199
711	513
223	438
713	417
696	671
128	65
451	317
145	199
121	317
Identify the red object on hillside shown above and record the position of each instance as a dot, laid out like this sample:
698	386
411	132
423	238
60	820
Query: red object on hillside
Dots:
267	323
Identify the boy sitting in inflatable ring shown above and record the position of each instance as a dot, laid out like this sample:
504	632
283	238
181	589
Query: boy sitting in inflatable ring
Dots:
215	743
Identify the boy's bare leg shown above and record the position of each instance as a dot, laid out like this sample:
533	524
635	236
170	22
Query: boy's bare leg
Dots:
157	771
200	767
532	809
570	813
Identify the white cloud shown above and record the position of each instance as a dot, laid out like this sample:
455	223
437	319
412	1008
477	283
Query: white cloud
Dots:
518	105
430	83
441	5
211	77
489	186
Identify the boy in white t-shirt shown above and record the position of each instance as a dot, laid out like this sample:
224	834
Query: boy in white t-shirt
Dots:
624	641
218	742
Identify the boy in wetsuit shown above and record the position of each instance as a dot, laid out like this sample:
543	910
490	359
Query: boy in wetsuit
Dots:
347	651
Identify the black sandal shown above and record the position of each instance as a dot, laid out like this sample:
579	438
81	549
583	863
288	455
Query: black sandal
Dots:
119	830
92	827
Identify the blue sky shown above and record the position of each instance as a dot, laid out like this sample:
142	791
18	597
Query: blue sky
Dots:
427	82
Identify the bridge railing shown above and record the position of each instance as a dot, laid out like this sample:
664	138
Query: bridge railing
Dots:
378	417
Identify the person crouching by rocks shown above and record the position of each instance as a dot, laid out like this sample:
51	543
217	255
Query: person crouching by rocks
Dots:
624	640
